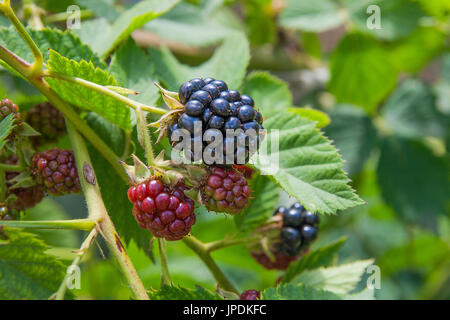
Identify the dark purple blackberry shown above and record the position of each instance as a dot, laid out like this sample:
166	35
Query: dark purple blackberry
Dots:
210	103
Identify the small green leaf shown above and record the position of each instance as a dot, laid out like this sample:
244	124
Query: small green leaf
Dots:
102	8
311	15
297	292
319	117
353	134
6	126
26	272
259	208
270	93
413	180
411	111
88	99
305	164
338	279
180	293
228	63
321	257
368	83
133	69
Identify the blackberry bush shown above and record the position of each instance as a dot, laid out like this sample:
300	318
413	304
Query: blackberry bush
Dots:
209	104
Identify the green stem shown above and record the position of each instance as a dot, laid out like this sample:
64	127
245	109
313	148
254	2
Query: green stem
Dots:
97	211
2	186
144	137
165	275
59	295
200	249
102	89
220	244
77	224
38	58
63	16
11	167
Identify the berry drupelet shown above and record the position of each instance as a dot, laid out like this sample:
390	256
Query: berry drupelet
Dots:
166	212
7	107
48	121
55	170
211	105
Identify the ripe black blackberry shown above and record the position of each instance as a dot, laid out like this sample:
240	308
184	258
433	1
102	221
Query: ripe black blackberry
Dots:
48	121
210	105
299	228
166	212
55	170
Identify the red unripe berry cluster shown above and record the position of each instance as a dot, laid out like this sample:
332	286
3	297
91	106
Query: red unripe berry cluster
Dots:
250	295
225	190
167	213
281	261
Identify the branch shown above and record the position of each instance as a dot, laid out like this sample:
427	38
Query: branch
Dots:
77	224
200	249
165	275
97	211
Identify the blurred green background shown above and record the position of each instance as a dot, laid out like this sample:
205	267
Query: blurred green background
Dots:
387	93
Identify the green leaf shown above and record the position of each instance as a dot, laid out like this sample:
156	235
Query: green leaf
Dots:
414	52
88	99
321	118
398	17
111	35
270	93
194	25
368	83
112	187
411	111
180	293
311	15
6	126
297	292
305	164
133	69
321	257
338	279
228	63
102	8
353	134
413	180
259	208
260	21
26	272
66	43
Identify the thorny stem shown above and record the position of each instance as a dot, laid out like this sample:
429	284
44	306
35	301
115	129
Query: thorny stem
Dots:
144	137
106	91
200	249
220	244
59	295
165	275
76	224
97	211
38	58
12	167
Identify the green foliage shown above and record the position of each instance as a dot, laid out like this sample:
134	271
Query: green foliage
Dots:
26	271
371	80
321	118
338	279
353	134
412	179
6	126
297	292
311	15
65	43
180	293
321	257
102	8
85	98
309	167
228	63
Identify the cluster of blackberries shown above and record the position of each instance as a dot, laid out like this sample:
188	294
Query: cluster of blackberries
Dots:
300	228
214	109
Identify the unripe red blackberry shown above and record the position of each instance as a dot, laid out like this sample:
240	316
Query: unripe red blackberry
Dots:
250	295
56	171
27	198
48	121
225	190
280	262
7	107
166	212
246	170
